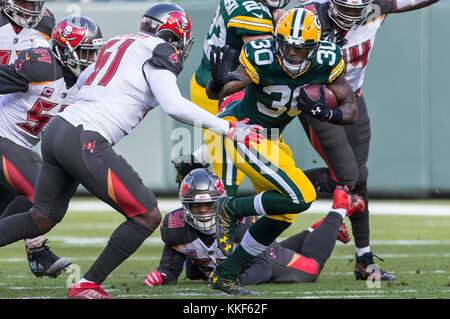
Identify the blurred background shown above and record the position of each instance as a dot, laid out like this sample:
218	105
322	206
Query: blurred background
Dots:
405	90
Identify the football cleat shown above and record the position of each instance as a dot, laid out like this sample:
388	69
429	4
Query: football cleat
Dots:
87	290
344	199
229	286
342	235
43	262
362	272
225	226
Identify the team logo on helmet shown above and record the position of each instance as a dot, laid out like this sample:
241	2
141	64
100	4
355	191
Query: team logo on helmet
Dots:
178	23
67	33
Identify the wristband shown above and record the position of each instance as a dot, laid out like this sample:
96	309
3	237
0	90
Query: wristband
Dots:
336	116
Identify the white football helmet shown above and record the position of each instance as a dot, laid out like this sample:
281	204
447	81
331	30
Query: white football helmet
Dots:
347	13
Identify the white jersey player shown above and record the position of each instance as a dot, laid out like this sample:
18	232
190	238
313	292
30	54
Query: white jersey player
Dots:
132	75
23	24
38	85
353	25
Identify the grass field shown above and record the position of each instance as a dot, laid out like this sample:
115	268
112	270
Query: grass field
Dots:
416	248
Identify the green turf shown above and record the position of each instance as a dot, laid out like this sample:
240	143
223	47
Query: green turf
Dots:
421	263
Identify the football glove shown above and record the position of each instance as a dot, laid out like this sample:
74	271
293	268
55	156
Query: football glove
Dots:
155	278
241	132
316	108
221	60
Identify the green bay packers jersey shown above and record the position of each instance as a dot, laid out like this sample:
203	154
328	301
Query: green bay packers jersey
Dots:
271	99
233	19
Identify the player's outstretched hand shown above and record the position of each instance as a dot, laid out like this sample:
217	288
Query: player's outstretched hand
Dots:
316	108
155	278
221	59
241	132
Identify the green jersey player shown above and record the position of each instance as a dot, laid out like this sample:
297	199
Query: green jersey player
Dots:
274	73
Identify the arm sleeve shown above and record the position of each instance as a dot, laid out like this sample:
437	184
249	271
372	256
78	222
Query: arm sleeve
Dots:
10	81
163	84
171	264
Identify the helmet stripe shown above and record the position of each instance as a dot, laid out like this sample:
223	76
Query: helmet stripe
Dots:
298	24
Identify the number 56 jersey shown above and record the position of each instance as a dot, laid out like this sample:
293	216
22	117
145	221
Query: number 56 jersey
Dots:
271	100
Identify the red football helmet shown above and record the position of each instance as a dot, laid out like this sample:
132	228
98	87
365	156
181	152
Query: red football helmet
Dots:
76	41
171	23
198	187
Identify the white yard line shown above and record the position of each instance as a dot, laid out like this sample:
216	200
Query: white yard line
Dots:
377	207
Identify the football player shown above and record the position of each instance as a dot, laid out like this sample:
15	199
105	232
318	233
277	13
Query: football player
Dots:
352	25
23	24
41	83
235	23
189	239
132	75
273	72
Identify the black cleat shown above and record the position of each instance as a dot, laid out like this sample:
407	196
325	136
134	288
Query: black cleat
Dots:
225	226
362	272
43	262
231	287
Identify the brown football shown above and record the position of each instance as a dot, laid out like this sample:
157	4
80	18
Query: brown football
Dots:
313	91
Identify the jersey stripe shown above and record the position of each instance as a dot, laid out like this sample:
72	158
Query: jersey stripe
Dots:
250	23
249	67
337	71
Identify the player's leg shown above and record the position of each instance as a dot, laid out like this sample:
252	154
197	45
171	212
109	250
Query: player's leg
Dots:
91	159
305	263
283	191
6	197
19	170
359	135
222	165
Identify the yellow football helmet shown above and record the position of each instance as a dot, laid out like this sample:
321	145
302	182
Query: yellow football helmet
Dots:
297	38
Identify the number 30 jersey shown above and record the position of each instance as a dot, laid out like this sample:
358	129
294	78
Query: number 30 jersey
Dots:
271	100
44	92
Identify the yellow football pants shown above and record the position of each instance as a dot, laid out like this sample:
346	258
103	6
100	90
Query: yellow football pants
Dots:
269	166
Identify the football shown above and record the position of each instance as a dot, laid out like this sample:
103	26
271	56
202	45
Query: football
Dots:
313	92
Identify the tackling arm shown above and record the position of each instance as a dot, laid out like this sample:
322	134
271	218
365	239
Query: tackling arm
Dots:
164	86
410	5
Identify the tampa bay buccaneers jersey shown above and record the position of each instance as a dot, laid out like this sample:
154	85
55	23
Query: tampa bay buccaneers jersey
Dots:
14	39
356	43
184	241
24	114
271	99
116	95
233	19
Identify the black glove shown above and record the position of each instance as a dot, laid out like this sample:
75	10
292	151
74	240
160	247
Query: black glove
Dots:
335	37
221	60
316	108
